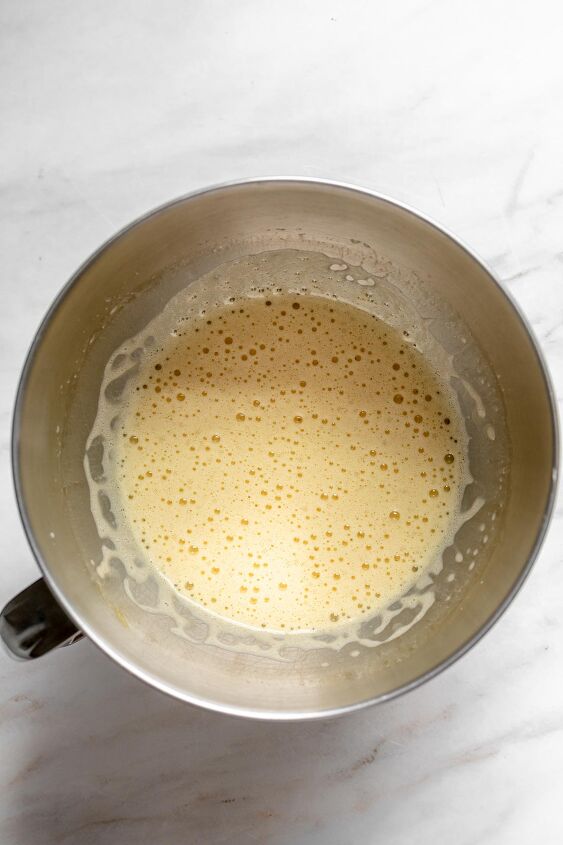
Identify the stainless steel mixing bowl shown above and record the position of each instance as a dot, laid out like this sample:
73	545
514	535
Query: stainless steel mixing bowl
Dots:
113	296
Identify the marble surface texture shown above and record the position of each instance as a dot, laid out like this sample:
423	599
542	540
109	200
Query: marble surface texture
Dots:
110	108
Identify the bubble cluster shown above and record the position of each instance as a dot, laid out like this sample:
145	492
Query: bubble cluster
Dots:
289	462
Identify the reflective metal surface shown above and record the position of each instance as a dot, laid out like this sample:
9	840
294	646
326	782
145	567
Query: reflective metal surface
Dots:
33	623
115	294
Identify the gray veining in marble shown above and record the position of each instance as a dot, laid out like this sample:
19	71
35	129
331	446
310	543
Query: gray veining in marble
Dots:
110	108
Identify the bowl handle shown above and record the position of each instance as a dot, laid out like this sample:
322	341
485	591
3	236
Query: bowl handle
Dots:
33	623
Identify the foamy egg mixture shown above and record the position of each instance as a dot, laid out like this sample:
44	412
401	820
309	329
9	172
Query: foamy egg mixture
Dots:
289	462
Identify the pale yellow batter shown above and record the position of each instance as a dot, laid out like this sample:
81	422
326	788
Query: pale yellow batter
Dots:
290	462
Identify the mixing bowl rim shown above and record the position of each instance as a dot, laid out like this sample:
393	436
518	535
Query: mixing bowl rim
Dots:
103	643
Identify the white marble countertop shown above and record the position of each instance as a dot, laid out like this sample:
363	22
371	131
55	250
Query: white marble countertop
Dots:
110	108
